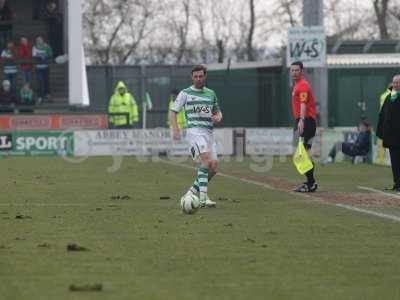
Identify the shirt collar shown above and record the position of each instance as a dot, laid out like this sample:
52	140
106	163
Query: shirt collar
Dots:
196	90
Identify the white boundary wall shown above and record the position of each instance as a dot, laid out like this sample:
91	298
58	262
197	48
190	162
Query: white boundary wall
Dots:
141	142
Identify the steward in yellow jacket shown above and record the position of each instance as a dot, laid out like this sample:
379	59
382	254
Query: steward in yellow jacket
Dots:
122	102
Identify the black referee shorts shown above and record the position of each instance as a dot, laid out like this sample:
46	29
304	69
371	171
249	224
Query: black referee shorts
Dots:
310	128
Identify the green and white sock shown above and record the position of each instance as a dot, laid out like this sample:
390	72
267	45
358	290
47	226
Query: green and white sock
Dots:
195	189
202	177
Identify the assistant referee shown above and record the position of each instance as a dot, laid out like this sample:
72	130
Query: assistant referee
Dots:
305	116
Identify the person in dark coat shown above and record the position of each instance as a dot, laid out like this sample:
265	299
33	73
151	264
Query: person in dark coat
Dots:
7	99
6	27
388	129
54	20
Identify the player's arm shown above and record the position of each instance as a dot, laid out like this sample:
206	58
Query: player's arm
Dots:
174	124
217	117
216	112
177	106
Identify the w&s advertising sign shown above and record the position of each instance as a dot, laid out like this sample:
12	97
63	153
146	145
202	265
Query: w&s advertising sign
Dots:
306	44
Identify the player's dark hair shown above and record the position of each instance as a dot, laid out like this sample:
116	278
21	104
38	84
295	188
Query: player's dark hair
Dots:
199	68
298	63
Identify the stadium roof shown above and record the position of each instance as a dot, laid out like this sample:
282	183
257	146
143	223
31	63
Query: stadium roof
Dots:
274	62
364	60
375	60
367	46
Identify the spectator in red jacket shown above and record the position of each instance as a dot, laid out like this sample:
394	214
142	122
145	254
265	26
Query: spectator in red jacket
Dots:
25	53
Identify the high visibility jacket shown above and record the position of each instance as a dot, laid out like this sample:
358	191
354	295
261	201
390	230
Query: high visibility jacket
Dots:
383	97
124	103
180	117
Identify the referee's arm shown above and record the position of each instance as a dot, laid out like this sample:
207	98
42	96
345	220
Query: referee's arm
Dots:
300	125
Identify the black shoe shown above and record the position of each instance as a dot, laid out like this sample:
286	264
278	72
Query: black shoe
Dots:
307	188
394	188
313	187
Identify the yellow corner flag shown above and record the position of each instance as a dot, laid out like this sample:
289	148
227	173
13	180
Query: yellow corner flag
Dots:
301	160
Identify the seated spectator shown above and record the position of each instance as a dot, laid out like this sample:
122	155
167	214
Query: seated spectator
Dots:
25	53
6	27
7	98
10	68
43	53
26	95
55	30
359	148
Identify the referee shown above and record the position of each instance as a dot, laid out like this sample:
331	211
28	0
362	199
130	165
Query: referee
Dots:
305	116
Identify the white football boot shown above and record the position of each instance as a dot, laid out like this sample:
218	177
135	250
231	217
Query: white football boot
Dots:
207	202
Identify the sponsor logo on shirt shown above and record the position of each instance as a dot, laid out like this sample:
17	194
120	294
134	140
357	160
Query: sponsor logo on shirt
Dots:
202	109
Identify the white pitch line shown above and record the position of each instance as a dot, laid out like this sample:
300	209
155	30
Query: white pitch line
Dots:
378	192
370	212
266	186
43	204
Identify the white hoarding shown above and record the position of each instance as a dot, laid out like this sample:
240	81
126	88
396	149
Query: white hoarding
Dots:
269	141
140	142
306	44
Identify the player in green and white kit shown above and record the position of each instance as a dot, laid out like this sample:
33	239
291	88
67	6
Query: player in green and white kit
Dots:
202	112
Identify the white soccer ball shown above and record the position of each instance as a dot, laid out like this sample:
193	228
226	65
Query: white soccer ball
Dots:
190	203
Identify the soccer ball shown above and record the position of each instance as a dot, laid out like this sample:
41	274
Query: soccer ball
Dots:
190	203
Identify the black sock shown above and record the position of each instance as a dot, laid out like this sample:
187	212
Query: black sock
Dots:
310	177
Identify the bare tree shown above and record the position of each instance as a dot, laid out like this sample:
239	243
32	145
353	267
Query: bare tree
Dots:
394	20
344	22
287	10
276	18
187	31
250	49
220	51
115	29
395	12
201	18
179	24
93	12
216	26
222	26
381	12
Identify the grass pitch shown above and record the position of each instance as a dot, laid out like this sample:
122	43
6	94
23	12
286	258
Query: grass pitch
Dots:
257	244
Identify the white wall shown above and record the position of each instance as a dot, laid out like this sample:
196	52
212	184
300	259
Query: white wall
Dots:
78	89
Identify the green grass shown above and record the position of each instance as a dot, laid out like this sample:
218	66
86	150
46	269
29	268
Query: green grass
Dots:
266	245
341	177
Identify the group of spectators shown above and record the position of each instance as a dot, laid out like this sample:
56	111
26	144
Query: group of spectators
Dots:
26	57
